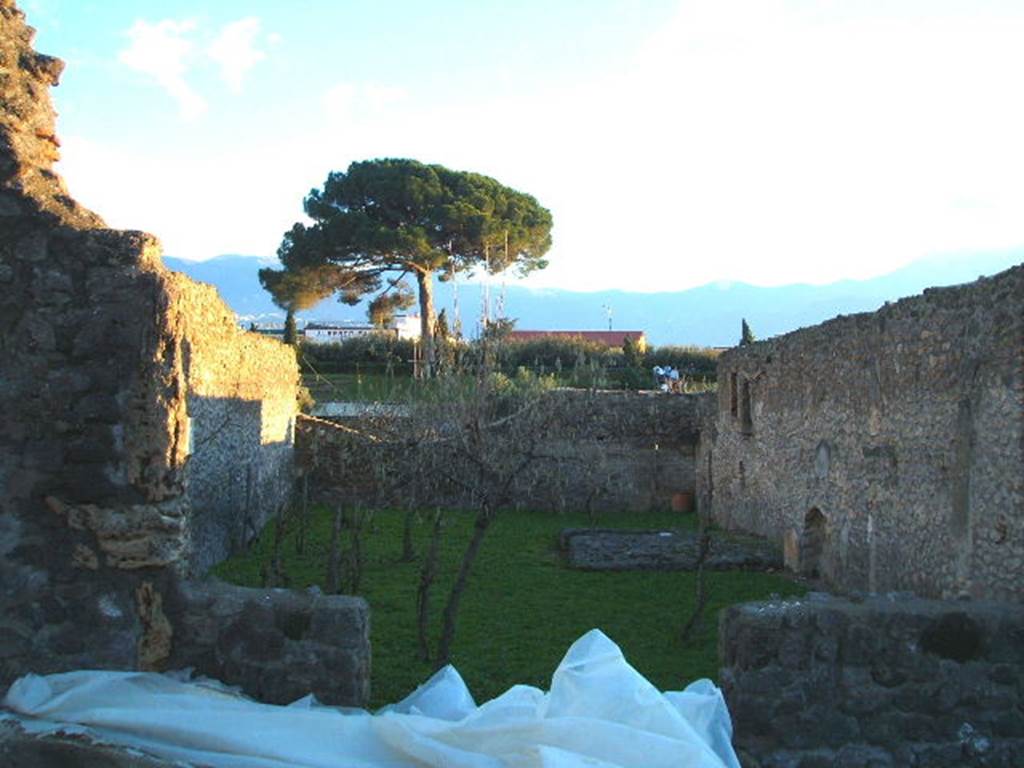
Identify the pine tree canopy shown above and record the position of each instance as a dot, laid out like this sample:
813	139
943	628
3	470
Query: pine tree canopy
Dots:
384	219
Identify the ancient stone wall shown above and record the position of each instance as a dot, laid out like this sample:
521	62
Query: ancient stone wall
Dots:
277	644
887	449
887	681
603	451
142	437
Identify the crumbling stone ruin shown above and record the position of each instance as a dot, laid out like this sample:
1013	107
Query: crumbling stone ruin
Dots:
143	438
886	449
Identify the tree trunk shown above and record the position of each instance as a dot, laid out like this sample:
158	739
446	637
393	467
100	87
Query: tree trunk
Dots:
426	290
451	610
428	572
408	550
355	559
300	538
333	585
291	333
696	619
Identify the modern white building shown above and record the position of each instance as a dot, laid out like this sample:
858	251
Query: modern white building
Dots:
403	326
407	326
320	333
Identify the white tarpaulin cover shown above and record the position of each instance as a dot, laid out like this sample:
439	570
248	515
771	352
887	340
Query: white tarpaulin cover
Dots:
599	712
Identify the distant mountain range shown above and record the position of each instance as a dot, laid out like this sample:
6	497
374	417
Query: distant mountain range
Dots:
708	315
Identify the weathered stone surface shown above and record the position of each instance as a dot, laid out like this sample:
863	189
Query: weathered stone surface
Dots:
19	749
609	549
28	141
277	645
886	449
887	696
157	633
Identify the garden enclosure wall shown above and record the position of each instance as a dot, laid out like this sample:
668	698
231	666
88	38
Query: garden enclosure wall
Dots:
603	451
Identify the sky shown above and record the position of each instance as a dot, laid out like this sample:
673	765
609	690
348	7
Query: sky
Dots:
676	142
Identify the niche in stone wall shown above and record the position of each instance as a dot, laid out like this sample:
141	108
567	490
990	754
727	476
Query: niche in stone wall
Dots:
812	543
822	460
746	418
733	395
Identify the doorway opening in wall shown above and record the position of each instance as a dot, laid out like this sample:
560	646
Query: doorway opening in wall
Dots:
812	543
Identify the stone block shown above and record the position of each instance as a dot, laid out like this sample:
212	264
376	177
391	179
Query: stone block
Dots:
97	406
277	644
862	756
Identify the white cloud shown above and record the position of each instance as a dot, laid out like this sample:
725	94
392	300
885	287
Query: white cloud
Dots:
379	97
162	51
234	49
762	142
338	101
347	104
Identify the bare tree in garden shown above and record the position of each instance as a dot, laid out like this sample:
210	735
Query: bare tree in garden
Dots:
476	439
494	434
696	620
471	440
382	220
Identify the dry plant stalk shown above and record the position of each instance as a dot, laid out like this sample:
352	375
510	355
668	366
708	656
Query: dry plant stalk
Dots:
696	620
428	572
334	556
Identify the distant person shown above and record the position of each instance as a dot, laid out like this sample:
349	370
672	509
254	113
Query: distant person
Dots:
673	379
659	376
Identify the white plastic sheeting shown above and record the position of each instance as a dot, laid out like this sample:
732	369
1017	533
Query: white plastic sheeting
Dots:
599	712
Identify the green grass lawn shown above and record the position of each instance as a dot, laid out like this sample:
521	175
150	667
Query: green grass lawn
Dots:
523	607
360	387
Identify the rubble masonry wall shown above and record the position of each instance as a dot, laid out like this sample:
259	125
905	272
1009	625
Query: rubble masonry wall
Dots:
885	450
606	451
143	437
885	681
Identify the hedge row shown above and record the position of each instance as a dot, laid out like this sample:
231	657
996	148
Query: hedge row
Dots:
386	354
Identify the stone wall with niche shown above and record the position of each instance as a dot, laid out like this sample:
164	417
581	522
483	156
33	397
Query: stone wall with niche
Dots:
143	435
885	450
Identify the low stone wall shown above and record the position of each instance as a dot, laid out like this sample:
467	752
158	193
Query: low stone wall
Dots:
886	681
276	644
610	549
603	451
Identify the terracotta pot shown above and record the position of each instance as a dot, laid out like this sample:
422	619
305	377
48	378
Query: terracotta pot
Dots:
682	501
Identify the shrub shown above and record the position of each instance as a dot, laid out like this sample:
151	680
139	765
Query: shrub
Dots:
699	362
380	352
